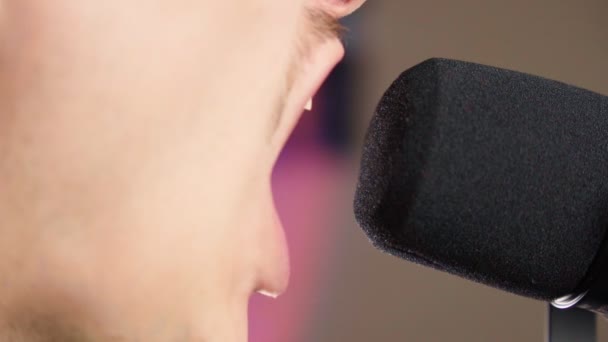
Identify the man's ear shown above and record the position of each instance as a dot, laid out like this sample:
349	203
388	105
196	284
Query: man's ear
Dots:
339	8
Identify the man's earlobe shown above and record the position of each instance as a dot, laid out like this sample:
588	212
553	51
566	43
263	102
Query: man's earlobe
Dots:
340	8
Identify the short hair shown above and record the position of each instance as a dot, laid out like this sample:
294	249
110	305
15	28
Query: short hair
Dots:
324	24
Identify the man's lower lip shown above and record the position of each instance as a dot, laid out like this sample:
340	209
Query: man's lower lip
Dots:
268	294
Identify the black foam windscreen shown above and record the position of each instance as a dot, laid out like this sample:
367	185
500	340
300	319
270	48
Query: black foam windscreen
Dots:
493	175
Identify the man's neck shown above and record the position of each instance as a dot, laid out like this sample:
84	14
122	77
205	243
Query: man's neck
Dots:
40	330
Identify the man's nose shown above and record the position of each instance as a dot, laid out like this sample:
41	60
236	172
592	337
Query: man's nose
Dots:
340	8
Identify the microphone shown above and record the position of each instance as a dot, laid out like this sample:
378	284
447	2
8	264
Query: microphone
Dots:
492	175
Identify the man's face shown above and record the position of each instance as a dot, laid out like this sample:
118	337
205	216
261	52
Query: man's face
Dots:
137	140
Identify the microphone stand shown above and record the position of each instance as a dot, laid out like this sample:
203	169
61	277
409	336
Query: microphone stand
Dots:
567	319
568	325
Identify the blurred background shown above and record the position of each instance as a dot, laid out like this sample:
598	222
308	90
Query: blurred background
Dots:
341	288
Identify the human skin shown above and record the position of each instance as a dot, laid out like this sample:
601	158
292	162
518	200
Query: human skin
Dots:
137	140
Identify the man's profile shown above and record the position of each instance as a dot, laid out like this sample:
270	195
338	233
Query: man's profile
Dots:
137	138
